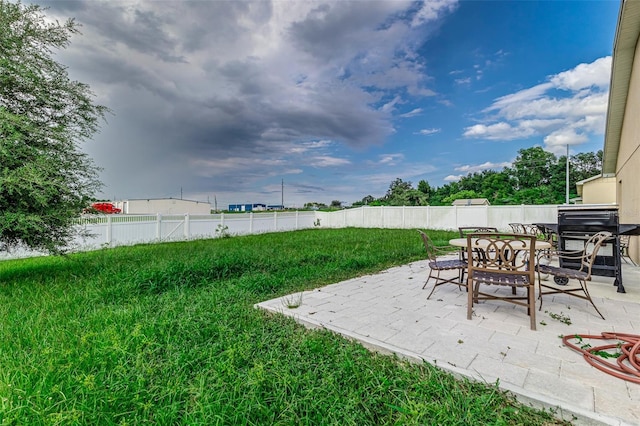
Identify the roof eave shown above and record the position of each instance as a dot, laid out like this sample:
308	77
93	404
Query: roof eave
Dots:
624	46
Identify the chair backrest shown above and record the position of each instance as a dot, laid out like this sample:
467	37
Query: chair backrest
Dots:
524	228
510	254
624	241
530	229
549	236
517	228
428	246
591	248
464	230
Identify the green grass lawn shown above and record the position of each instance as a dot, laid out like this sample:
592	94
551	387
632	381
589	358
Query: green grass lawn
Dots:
167	334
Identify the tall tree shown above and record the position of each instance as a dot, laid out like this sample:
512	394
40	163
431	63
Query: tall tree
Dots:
532	167
45	179
424	187
586	164
397	193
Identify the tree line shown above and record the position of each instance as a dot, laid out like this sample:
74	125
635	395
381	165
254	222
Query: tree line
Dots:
535	177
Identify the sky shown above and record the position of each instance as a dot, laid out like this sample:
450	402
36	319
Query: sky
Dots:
314	101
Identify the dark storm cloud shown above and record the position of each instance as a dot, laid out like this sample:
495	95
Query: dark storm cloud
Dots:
121	22
331	29
167	29
203	89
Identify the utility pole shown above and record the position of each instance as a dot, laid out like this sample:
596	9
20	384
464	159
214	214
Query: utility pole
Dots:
282	195
567	173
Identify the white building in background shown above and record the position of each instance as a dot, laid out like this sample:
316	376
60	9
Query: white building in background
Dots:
163	206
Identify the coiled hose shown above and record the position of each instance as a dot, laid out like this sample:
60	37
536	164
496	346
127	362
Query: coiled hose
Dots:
627	347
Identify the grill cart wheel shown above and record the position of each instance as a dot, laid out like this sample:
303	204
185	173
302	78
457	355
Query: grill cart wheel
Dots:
561	280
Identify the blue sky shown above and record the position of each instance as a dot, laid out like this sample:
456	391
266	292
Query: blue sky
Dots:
225	100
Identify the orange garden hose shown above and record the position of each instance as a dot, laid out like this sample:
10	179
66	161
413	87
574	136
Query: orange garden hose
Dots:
626	351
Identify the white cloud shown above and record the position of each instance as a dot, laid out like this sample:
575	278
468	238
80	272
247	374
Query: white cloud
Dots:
520	97
412	113
498	131
327	161
432	10
303	147
484	166
390	159
585	76
557	141
427	132
391	105
565	110
453	178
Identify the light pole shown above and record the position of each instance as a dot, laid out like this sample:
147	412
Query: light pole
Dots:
567	182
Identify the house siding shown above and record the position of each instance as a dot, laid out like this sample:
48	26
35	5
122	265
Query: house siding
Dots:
628	165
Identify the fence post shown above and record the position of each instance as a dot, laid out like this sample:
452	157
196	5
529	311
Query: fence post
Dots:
455	211
403	217
250	222
109	230
297	214
187	226
158	227
486	216
275	220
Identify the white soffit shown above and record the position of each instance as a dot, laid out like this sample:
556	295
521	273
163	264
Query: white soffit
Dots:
624	47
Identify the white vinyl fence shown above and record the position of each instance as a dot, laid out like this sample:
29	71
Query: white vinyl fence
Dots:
438	217
117	230
114	230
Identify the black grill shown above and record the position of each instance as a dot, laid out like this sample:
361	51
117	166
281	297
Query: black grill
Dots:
577	224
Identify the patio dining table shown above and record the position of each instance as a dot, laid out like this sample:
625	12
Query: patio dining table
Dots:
483	243
539	244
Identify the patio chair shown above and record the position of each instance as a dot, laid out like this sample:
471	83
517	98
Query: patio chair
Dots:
517	228
624	250
548	235
436	266
562	275
507	261
464	230
525	228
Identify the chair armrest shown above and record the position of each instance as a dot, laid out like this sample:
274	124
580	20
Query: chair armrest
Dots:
446	249
576	254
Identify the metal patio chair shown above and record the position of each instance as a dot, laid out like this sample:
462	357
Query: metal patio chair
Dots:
624	249
517	228
585	258
436	266
465	230
507	261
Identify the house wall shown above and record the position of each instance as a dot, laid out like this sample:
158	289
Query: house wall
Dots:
628	164
599	191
